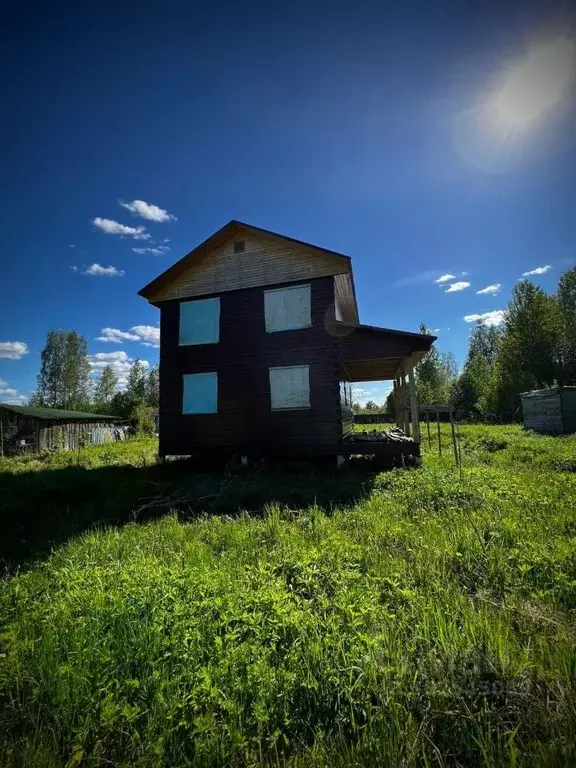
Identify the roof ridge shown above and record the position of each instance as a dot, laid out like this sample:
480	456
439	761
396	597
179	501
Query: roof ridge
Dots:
41	412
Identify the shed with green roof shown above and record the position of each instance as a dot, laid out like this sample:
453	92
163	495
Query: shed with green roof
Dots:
27	428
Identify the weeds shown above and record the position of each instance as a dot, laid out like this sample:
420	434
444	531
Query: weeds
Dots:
403	619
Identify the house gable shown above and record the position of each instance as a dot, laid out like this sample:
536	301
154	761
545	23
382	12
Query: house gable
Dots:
264	261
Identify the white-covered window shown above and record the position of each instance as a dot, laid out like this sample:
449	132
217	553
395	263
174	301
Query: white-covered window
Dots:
287	308
290	387
199	322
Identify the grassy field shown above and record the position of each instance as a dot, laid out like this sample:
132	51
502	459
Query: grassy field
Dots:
155	617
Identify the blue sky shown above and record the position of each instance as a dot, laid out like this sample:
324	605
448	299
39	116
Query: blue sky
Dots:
364	128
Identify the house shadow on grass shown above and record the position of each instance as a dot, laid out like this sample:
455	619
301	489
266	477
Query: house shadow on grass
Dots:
42	509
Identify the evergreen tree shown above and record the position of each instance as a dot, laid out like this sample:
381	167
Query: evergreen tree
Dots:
64	378
133	401
528	356
566	301
390	405
153	387
471	389
120	405
136	385
105	390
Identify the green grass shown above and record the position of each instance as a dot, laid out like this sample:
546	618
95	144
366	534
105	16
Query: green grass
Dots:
407	618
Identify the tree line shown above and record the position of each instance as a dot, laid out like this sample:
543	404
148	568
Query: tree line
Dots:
65	382
534	348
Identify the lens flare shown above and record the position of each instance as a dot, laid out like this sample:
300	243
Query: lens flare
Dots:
537	83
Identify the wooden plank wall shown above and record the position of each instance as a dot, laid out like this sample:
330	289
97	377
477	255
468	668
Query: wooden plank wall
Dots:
67	435
543	413
48	433
264	261
344	292
244	422
568	401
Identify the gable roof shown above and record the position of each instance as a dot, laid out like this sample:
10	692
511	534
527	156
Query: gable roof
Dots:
229	229
56	413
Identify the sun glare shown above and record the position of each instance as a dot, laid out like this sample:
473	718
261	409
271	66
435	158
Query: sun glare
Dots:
537	83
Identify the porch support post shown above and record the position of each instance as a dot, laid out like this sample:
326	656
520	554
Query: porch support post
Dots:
405	419
397	403
413	403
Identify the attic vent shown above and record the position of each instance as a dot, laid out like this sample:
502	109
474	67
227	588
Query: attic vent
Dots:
239	246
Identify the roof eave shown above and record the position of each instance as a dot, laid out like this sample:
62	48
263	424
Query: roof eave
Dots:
428	338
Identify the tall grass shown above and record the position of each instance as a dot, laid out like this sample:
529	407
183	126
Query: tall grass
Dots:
429	624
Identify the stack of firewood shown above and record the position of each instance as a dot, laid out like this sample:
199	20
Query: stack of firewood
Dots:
392	435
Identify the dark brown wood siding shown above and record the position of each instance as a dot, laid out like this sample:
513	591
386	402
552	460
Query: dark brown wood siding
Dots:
245	423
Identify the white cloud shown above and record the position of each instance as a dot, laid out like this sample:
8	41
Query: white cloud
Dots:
116	336
119	361
157	251
9	392
537	271
377	392
166	239
111	227
495	317
445	278
13	350
109	357
100	271
73	268
148	335
459	286
493	288
72	245
148	211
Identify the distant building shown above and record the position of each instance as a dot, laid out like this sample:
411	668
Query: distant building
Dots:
260	342
27	428
552	411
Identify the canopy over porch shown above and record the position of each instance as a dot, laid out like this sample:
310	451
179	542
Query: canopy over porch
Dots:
369	353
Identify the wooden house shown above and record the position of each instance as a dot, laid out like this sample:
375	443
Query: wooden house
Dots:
260	341
27	428
552	411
